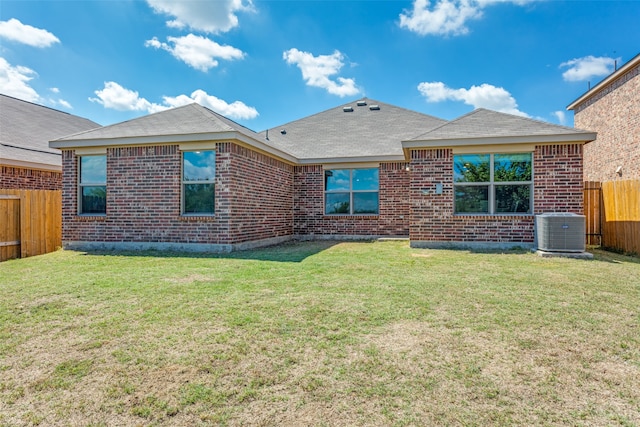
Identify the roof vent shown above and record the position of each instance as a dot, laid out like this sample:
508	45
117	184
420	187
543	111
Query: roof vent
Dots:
347	109
374	107
283	131
361	103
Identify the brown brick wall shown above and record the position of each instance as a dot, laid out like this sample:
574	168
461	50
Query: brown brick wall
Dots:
260	193
614	113
143	199
557	188
557	173
393	220
29	179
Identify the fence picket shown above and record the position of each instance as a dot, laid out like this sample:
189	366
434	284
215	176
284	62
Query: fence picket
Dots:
35	217
617	212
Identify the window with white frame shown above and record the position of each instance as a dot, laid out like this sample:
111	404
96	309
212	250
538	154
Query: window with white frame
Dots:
351	191
92	185
493	183
198	182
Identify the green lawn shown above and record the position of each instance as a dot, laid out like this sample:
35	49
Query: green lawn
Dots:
320	334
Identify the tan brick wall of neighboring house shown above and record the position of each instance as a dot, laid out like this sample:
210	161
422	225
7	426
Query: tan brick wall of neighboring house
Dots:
143	198
29	179
614	113
557	188
393	219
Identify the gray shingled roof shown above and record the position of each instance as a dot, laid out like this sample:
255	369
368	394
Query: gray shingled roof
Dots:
190	119
27	128
361	133
482	123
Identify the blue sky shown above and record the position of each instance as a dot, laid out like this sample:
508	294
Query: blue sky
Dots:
265	63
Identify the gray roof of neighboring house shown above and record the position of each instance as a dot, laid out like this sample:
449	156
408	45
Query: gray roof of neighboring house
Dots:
336	134
27	128
482	124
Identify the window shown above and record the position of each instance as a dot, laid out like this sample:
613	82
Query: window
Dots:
92	186
493	183
198	188
351	191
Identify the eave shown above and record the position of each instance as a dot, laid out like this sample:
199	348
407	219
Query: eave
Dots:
613	76
175	139
497	141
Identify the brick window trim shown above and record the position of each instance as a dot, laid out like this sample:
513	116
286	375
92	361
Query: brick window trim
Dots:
351	217
91	217
198	218
494	217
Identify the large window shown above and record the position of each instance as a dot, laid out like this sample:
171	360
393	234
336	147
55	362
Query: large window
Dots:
198	177
92	185
493	183
351	191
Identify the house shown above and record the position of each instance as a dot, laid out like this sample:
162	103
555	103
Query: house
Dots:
191	179
26	160
612	109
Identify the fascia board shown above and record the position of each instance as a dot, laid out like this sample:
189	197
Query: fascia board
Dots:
261	146
140	140
613	76
173	139
501	140
352	160
30	165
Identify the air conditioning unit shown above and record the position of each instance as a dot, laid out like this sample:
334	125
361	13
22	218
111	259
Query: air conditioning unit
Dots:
560	232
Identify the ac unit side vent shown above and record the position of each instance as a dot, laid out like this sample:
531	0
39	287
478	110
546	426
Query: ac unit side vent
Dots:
560	232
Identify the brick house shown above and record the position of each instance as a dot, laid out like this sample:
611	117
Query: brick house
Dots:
612	109
26	160
191	179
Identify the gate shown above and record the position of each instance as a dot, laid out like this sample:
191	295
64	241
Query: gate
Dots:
593	212
30	222
10	228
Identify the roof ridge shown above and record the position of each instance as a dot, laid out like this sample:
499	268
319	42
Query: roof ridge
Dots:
223	118
370	101
134	119
532	119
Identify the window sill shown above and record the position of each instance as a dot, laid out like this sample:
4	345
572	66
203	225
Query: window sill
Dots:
197	217
91	217
488	215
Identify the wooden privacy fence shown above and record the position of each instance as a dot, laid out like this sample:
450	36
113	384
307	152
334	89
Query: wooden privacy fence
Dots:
30	222
612	211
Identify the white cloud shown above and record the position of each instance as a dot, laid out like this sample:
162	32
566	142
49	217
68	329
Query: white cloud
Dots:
196	51
208	16
583	69
119	98
445	17
561	117
17	31
14	81
64	103
316	71
483	96
235	110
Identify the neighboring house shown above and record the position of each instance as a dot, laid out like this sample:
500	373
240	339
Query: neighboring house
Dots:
191	179
26	160
612	109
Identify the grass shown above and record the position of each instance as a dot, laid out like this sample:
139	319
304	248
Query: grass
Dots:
320	334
